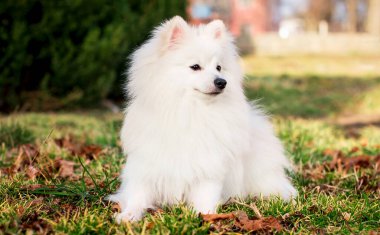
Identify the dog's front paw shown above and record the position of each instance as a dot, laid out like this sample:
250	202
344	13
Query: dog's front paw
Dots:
205	196
130	216
288	193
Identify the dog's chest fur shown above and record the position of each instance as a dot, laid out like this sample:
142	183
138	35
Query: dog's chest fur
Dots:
188	141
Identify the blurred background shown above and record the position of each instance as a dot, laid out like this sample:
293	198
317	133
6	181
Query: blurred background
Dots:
303	58
306	22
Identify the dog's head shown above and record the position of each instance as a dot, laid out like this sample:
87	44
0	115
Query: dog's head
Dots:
200	60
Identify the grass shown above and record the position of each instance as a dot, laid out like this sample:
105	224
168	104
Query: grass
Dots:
13	134
305	109
315	87
351	66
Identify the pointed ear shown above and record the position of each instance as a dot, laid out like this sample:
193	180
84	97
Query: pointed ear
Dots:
173	32
216	29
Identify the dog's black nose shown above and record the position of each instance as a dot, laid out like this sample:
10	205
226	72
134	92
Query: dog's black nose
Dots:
220	83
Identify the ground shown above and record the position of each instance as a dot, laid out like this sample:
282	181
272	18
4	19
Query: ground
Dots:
56	168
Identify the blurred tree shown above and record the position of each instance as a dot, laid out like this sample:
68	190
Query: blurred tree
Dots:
319	10
352	15
58	53
373	20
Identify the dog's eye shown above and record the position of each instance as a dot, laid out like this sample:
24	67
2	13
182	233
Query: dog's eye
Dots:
195	67
218	68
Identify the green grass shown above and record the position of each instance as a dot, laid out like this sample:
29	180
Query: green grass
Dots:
13	134
304	109
312	96
315	87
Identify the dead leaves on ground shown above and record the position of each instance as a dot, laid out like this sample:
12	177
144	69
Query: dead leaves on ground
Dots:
65	168
89	151
242	223
261	224
32	172
342	163
237	221
33	163
366	169
32	215
38	163
34	223
27	155
368	183
25	161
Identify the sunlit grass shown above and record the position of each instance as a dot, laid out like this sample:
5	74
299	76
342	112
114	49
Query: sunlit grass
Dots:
350	66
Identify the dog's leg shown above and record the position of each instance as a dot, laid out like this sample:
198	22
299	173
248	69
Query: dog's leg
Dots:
205	196
265	163
133	201
264	171
270	183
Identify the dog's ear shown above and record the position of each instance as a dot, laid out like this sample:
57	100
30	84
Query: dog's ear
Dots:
216	29
173	31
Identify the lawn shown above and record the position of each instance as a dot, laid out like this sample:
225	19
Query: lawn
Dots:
56	168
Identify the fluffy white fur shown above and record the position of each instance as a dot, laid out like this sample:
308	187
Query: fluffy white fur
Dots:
185	144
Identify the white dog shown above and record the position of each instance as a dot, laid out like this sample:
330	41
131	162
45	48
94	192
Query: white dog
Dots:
189	132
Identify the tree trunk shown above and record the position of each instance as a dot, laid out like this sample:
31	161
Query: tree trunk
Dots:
373	20
319	10
352	15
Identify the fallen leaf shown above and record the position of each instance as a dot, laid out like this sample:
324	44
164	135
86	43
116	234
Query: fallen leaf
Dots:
90	151
214	217
359	161
220	223
36	201
315	172
32	186
68	143
68	208
368	183
330	152
346	216
57	200
65	167
32	172
27	154
20	211
150	225
374	232
31	151
264	224
354	149
35	223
